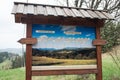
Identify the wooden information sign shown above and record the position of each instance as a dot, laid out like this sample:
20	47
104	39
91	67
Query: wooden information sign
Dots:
62	47
58	39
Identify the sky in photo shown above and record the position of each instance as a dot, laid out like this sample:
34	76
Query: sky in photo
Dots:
60	36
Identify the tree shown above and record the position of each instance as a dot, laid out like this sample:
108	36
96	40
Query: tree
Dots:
3	56
110	33
17	62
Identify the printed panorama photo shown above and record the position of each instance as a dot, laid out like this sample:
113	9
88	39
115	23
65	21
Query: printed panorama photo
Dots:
59	45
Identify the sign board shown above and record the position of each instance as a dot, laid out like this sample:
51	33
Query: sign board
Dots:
63	47
58	49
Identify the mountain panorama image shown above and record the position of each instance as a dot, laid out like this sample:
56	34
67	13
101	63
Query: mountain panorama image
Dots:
59	45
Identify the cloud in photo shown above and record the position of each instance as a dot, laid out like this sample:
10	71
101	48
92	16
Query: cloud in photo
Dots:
61	42
69	28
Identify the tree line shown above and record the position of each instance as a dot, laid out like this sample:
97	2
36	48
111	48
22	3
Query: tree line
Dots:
66	53
11	60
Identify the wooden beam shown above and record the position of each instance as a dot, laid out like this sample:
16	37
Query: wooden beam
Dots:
18	18
99	42
63	72
28	41
29	53
58	20
99	52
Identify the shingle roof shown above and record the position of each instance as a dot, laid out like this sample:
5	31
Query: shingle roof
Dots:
50	10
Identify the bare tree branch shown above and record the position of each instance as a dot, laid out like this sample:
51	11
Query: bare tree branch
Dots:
92	4
76	3
97	4
81	3
67	3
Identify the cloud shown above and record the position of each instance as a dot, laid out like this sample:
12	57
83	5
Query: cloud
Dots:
88	35
43	36
45	31
69	28
71	33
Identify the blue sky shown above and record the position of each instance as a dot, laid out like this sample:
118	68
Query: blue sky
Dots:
60	36
86	32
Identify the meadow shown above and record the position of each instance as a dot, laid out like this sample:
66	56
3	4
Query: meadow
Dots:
52	61
110	72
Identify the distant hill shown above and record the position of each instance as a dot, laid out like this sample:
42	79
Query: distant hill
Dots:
13	50
50	49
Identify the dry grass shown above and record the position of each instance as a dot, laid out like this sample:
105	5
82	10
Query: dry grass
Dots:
46	60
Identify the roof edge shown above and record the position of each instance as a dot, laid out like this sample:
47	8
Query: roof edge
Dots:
57	6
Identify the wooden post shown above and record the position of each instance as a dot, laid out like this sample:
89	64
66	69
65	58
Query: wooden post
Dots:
29	53
99	58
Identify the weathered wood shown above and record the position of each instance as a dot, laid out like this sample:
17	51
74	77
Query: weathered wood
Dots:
25	10
70	67
28	41
17	18
100	14
58	20
98	50
108	15
35	10
20	8
41	10
30	9
73	15
77	13
85	13
60	11
63	72
14	9
67	11
51	11
29	54
93	14
99	42
56	6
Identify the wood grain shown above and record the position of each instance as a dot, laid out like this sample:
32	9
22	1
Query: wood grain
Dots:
98	50
99	42
28	41
29	54
63	72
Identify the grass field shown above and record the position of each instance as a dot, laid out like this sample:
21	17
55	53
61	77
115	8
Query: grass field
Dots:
13	74
110	72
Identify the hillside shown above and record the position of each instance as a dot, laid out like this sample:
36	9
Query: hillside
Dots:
10	60
7	56
13	50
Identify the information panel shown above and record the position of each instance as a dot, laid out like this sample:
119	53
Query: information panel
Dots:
63	47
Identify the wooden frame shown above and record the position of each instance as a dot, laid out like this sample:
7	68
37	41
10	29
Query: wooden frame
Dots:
63	21
29	14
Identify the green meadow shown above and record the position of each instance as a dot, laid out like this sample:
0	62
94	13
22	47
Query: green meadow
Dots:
110	72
